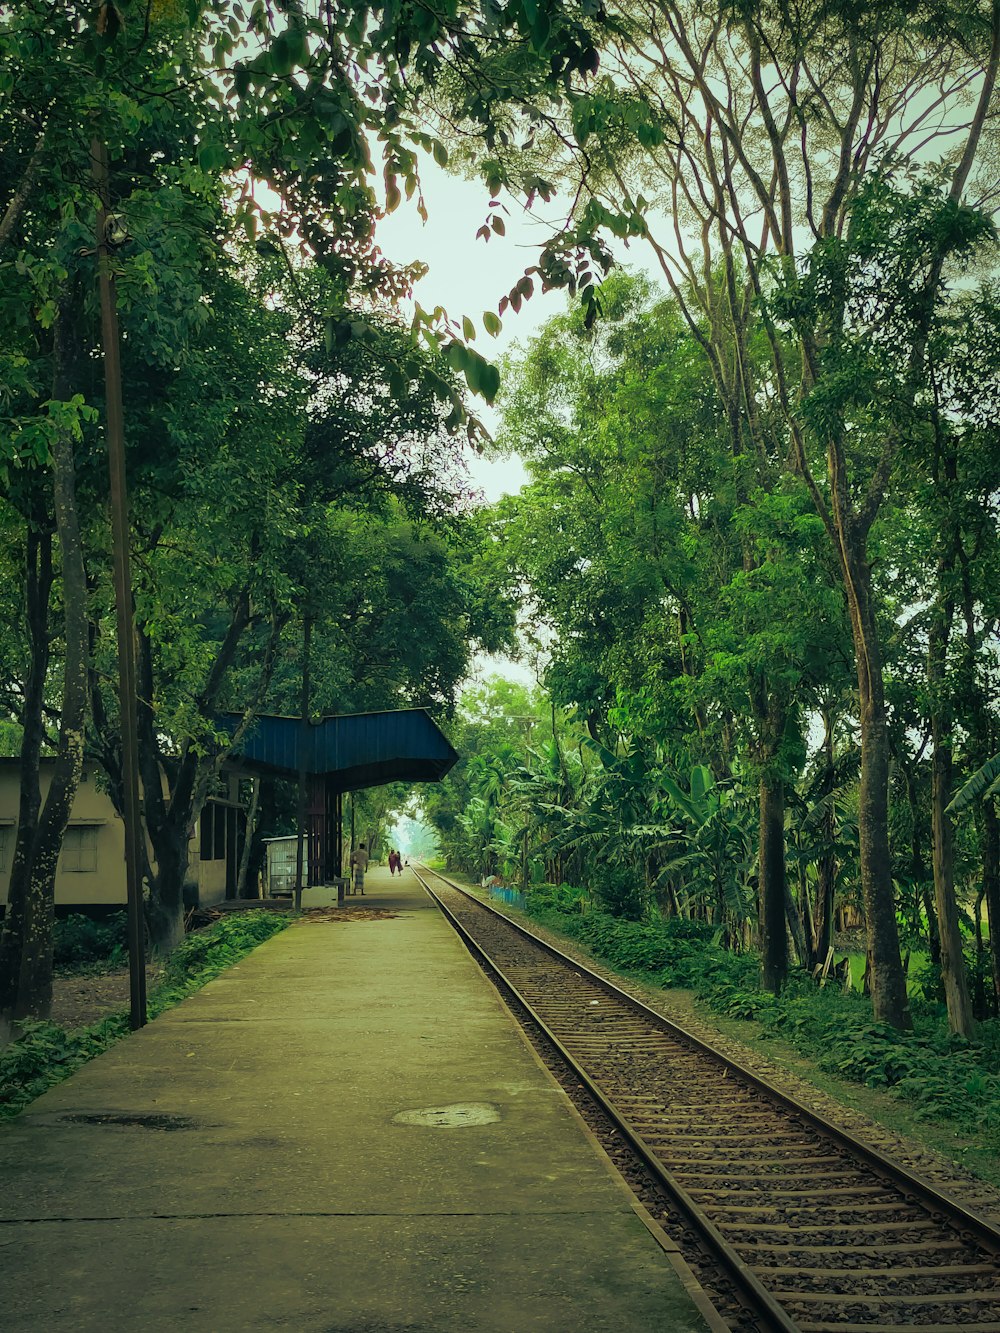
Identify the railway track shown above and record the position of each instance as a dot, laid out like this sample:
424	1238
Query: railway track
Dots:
818	1231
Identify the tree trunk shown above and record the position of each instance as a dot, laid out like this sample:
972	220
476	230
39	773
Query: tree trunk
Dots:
888	986
773	932
266	815
918	871
797	927
168	822
244	871
806	909
826	879
979	989
826	866
165	905
38	588
34	993
302	838
991	887
953	976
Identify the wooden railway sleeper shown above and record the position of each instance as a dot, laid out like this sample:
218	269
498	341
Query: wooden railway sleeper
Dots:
866	1251
826	1228
743	1159
992	1327
937	1270
837	1191
892	1298
811	1210
769	1171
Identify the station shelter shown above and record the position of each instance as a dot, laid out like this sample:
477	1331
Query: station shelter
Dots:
339	754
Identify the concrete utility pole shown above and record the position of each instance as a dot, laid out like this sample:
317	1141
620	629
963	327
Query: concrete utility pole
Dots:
303	842
106	224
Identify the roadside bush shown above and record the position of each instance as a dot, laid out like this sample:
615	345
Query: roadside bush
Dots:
671	952
45	1053
560	898
78	941
619	891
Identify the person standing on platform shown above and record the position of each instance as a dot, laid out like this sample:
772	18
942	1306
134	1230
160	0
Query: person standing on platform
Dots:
395	863
359	864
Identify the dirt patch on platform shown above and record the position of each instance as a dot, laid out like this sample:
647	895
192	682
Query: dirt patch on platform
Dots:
78	1001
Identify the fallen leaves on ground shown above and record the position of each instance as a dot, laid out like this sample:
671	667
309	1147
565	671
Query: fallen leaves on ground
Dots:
348	914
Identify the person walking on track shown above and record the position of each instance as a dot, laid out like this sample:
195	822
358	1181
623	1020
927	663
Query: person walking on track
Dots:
359	864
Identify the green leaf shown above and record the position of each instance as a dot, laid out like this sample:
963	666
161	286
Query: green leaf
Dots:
581	118
281	55
489	381
982	783
212	157
701	782
457	355
492	323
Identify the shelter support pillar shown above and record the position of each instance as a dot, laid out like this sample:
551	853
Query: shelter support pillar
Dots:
334	804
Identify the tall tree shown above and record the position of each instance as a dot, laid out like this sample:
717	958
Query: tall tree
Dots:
762	141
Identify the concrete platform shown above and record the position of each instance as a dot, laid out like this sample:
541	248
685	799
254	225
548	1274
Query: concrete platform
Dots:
345	1132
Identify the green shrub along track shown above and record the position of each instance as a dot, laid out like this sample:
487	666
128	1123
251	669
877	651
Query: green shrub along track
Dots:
814	1229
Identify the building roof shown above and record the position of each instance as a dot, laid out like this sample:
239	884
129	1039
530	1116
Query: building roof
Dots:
352	750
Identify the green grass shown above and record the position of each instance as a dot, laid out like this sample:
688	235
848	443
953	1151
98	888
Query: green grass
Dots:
920	962
45	1053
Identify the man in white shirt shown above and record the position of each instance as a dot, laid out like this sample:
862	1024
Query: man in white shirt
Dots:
359	863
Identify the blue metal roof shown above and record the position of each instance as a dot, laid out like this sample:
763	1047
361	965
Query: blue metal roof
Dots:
353	750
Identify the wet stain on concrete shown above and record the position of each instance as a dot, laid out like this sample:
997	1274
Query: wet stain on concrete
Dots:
130	1120
455	1116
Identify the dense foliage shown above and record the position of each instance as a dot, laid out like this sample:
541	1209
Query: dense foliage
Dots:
295	453
821	233
79	942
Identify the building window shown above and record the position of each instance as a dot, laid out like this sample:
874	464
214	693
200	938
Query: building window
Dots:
6	843
212	833
205	834
79	851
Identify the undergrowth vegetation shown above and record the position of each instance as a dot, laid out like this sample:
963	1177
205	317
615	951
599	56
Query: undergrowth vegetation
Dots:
45	1053
944	1077
80	943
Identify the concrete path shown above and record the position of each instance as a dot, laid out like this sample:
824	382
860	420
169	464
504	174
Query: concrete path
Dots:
345	1132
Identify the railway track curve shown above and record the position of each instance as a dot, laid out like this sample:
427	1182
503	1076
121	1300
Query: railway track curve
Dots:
818	1231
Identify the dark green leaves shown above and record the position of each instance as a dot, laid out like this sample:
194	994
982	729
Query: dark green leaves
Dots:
482	377
287	51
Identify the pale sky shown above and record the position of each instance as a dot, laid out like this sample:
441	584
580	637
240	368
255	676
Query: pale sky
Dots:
468	276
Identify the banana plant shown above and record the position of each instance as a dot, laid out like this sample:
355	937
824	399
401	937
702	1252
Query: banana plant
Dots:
712	866
983	785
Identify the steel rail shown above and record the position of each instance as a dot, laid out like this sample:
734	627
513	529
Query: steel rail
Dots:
933	1196
758	1298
